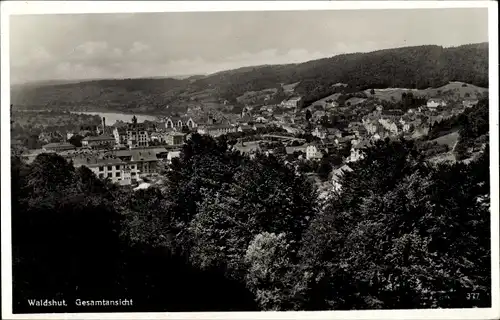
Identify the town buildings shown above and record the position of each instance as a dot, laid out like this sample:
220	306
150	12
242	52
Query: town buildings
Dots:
103	141
217	130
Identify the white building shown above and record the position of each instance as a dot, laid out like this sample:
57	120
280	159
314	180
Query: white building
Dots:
116	170
295	102
171	155
312	152
469	103
434	103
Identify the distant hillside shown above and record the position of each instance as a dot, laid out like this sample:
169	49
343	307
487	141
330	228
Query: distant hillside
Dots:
419	67
455	89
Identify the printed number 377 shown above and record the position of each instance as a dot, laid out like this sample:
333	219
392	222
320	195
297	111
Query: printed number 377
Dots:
473	296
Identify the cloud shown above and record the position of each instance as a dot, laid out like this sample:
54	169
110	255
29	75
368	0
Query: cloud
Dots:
92	48
158	44
79	70
138	47
35	57
94	52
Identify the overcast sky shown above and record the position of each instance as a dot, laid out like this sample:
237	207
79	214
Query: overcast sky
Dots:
89	46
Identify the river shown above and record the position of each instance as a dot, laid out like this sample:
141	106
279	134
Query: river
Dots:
112	117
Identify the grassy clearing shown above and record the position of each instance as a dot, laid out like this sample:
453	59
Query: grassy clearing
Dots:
449	139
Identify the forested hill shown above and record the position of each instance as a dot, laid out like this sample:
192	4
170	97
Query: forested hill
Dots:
408	67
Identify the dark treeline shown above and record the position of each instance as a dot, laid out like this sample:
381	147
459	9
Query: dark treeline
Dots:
409	67
227	232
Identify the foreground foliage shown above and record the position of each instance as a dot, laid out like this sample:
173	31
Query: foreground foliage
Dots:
228	232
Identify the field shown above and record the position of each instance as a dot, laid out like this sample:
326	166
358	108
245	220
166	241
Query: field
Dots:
450	139
254	96
289	88
321	102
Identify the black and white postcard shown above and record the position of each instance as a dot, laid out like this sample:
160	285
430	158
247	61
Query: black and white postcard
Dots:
241	160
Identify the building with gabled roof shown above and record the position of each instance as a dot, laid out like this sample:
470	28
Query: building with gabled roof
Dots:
115	169
102	141
58	146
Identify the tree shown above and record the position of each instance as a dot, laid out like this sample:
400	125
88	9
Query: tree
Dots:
76	140
393	241
324	169
308	115
54	252
270	271
185	129
264	196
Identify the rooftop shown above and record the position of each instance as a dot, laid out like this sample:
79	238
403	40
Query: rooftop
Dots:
94	161
219	126
59	145
143	155
98	138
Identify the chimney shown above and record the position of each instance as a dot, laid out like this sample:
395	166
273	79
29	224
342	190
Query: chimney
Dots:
103	124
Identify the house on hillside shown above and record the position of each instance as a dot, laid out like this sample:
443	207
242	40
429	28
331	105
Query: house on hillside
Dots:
319	132
389	126
261	120
432	104
292	103
469	102
313	152
245	128
357	150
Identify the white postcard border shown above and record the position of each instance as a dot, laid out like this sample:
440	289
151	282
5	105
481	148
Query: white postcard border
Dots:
53	7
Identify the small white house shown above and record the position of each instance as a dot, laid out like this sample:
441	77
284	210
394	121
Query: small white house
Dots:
312	152
171	155
434	103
